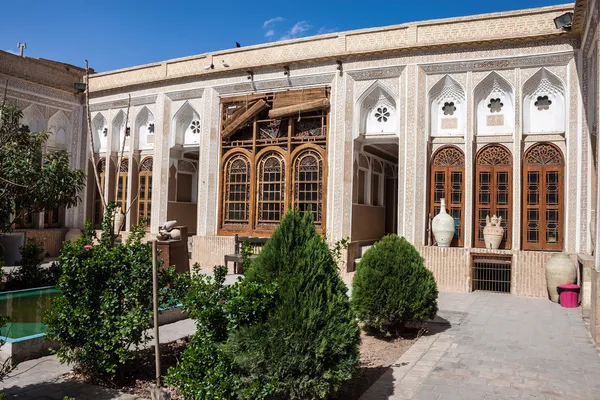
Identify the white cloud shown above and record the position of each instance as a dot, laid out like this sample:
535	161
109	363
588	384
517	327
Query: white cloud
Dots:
323	30
269	33
297	30
272	21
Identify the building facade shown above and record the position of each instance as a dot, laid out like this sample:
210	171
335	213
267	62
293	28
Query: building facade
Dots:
368	130
44	91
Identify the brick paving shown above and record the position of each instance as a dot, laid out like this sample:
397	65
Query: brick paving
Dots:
496	347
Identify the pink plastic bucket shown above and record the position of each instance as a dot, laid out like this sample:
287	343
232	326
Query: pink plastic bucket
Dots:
569	295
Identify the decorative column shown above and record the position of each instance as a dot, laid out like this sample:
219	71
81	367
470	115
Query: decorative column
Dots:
518	199
160	167
470	151
209	165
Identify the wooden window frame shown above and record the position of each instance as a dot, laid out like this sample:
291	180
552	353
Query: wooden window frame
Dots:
542	166
299	157
288	135
49	216
122	177
499	157
98	206
443	161
23	222
145	173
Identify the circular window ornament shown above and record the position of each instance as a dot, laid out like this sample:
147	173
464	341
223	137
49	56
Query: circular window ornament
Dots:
195	126
382	114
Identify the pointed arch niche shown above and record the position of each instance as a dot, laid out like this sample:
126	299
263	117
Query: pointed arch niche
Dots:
33	118
494	106
100	131
144	124
186	127
377	111
59	129
447	102
544	108
119	132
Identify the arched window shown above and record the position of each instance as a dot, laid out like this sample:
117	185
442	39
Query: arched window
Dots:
236	190
271	189
98	207
493	194
448	182
145	191
308	184
543	189
122	185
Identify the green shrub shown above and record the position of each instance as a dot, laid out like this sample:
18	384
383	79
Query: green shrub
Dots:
106	301
29	273
391	286
206	371
308	345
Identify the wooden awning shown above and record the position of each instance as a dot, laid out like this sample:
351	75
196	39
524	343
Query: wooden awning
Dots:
236	122
313	105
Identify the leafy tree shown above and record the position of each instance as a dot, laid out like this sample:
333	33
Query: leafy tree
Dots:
308	345
29	273
106	300
391	286
31	181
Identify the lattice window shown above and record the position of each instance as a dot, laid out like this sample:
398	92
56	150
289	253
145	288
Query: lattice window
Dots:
271	189
493	194
145	191
265	161
98	206
24	220
308	184
447	181
543	206
236	190
449	108
52	218
122	185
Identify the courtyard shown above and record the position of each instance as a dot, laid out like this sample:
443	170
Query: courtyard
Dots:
481	346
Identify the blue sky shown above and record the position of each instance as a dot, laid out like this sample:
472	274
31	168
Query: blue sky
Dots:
115	34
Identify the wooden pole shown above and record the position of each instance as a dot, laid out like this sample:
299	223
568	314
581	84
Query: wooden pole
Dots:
155	309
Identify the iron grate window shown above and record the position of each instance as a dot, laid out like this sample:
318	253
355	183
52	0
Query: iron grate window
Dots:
491	272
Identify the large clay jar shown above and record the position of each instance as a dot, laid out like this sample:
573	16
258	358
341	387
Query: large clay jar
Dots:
73	234
559	270
442	226
118	221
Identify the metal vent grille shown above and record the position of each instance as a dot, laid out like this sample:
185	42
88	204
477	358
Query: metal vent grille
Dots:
491	272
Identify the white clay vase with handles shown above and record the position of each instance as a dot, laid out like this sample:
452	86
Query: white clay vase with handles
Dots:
442	226
560	270
493	232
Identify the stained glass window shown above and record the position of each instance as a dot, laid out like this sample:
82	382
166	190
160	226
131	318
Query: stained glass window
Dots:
493	194
145	191
543	190
447	182
236	190
308	184
271	189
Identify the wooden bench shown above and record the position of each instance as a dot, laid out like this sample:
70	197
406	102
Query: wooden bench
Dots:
236	258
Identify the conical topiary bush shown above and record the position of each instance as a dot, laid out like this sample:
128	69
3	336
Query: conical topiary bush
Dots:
309	343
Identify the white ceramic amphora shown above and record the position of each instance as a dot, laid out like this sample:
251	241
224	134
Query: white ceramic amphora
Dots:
442	226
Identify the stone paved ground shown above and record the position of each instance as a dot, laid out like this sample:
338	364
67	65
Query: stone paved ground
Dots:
497	347
42	378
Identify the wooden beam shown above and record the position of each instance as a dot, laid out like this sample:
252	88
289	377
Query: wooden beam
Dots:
299	108
245	117
236	114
